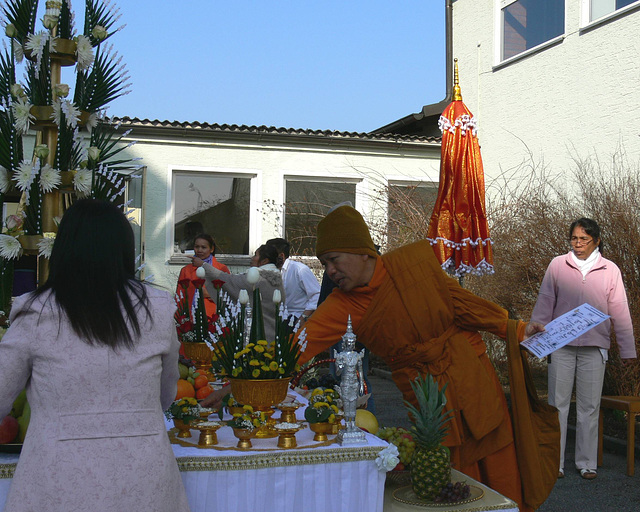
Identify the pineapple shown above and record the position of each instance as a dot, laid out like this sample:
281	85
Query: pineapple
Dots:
430	466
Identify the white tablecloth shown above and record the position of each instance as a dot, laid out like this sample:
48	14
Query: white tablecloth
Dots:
308	478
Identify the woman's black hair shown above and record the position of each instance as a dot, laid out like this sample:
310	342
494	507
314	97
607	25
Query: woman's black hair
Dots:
209	240
590	227
269	252
92	274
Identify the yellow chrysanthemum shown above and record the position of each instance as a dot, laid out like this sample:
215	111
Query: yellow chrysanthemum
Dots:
264	368
254	362
259	349
332	418
318	405
317	391
281	371
236	371
273	366
250	345
185	409
247	408
335	408
268	355
264	343
255	373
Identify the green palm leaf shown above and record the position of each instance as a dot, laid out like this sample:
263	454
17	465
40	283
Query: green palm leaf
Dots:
22	14
106	81
65	22
98	13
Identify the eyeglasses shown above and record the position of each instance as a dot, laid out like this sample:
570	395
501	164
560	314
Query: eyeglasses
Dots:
580	240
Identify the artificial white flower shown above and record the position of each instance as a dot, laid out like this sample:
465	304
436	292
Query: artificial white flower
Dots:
82	182
4	180
18	51
243	297
200	272
22	113
10	247
99	33
50	178
13	222
61	90
93	153
17	91
41	151
253	275
93	121
10	30
388	458
277	297
24	175
45	246
84	52
49	21
70	111
35	43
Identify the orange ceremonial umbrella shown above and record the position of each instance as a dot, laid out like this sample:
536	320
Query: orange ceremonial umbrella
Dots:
458	229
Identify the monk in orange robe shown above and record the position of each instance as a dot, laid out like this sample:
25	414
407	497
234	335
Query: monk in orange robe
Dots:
405	309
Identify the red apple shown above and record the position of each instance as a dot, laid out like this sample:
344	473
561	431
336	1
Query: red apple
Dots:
8	429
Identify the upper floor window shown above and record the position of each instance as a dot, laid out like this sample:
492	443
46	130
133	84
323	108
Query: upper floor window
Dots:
529	23
307	201
212	203
600	8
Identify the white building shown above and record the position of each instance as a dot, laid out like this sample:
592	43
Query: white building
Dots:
557	78
231	182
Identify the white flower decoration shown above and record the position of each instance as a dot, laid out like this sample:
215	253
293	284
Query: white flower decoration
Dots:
84	53
82	182
22	113
253	275
200	272
18	51
50	178
243	297
4	180
388	458
45	246
10	247
35	43
70	111
24	175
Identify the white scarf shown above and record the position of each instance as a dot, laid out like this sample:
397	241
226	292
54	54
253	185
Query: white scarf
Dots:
586	265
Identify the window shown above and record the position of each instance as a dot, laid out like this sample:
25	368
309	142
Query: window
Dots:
529	23
306	203
213	203
410	206
600	8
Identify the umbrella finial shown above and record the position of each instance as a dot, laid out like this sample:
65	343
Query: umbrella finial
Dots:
457	94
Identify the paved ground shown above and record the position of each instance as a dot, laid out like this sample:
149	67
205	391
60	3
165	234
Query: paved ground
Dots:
612	491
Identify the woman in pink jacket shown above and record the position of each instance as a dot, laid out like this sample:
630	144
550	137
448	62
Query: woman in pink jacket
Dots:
98	354
580	276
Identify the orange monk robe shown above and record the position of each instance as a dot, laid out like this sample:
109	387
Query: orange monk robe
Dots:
421	321
189	272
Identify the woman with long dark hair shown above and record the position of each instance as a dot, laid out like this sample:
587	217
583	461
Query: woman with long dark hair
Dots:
583	275
98	354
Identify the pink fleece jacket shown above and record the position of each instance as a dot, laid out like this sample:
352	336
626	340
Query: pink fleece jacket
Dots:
564	288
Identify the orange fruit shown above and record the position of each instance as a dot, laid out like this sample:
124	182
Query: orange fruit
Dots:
185	389
200	381
203	392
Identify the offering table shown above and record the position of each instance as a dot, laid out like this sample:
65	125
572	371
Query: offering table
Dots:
312	477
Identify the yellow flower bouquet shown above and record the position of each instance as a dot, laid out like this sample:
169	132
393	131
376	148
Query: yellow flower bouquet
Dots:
186	409
322	406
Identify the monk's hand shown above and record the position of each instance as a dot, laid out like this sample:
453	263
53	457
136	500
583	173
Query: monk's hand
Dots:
532	328
214	399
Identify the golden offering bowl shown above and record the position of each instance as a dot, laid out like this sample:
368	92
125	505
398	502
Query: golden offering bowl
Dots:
244	437
208	436
287	436
205	413
267	431
288	411
261	394
184	429
321	430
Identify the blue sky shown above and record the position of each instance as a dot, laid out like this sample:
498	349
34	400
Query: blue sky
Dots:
350	65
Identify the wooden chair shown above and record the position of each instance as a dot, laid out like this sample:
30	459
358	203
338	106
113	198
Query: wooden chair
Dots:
631	405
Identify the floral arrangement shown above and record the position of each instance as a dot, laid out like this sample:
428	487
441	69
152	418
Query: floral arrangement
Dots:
388	458
186	409
248	420
192	322
240	349
322	406
77	149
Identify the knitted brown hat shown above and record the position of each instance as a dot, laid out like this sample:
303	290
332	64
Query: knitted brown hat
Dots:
344	230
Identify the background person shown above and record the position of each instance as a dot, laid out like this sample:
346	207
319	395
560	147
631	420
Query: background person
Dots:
300	283
204	249
98	354
265	259
583	275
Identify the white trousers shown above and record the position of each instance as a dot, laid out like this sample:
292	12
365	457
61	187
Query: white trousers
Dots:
586	366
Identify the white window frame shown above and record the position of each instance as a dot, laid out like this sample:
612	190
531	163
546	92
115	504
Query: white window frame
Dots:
585	14
499	36
255	208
